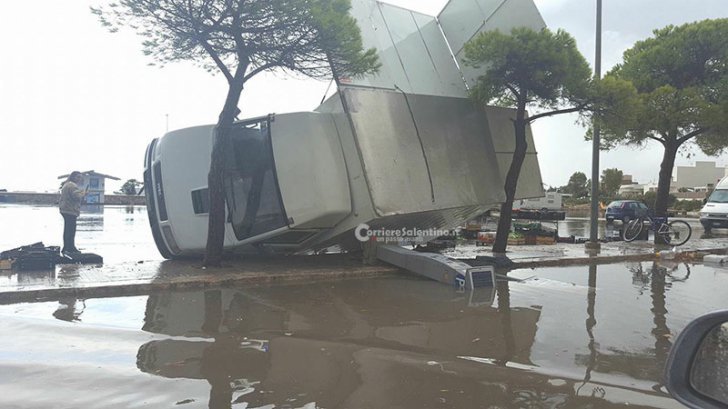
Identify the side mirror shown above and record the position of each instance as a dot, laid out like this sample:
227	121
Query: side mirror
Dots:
696	373
705	201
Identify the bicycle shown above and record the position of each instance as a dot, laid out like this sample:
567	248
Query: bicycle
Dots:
676	232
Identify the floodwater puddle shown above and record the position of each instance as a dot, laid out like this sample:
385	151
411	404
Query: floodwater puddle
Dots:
591	336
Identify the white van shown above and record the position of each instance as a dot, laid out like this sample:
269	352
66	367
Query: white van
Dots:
715	212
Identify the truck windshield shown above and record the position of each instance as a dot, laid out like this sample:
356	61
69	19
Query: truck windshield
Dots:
718	196
251	186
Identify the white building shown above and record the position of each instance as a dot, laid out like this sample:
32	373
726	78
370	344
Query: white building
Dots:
703	174
633	189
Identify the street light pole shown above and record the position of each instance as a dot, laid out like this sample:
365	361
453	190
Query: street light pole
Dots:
594	216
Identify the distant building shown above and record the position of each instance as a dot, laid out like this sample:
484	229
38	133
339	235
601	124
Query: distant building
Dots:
627	180
94	182
703	174
632	189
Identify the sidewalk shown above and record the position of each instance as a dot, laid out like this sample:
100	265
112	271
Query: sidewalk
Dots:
144	277
562	254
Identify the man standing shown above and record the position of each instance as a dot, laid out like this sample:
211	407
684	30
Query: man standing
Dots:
70	207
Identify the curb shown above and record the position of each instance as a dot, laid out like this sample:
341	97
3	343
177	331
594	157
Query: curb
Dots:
216	280
191	283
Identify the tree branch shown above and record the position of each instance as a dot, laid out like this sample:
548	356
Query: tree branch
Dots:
514	91
258	70
557	112
221	65
692	134
654	138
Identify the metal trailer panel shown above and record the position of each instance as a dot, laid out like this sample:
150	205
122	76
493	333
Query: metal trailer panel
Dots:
459	149
439	52
394	164
307	150
422	153
374	34
414	55
500	126
461	20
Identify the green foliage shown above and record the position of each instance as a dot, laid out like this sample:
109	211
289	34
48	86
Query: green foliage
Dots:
611	181
688	205
691	55
649	198
577	185
541	67
574	201
130	187
527	68
681	75
291	35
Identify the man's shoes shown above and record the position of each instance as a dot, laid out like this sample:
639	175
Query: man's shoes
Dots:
70	252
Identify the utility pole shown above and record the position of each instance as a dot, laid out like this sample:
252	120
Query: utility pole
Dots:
593	242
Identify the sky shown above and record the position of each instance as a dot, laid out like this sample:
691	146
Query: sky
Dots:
75	97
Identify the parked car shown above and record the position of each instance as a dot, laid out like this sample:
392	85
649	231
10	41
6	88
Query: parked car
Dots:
625	210
715	212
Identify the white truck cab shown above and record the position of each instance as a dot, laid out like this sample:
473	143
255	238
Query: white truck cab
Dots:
715	212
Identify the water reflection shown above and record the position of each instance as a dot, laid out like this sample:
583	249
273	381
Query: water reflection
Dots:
384	343
69	309
661	331
644	363
91	222
337	349
115	234
591	322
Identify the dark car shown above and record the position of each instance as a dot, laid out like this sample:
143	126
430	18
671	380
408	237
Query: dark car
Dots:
625	210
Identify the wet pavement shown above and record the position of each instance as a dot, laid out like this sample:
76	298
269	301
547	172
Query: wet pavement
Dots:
566	337
133	266
140	331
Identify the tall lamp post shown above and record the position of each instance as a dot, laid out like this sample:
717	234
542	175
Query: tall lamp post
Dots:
593	242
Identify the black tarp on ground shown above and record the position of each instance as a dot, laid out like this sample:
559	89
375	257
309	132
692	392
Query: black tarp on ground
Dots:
37	256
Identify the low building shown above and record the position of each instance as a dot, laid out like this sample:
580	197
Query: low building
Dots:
631	189
704	173
95	183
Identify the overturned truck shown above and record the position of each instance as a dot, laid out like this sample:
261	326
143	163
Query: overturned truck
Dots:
404	149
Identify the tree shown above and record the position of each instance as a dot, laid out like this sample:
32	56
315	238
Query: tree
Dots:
681	76
577	185
542	70
611	181
650	199
130	187
240	39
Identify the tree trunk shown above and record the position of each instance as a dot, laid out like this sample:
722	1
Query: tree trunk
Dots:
215	183
663	185
519	154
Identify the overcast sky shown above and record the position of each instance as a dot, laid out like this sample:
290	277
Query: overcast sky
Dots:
73	96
